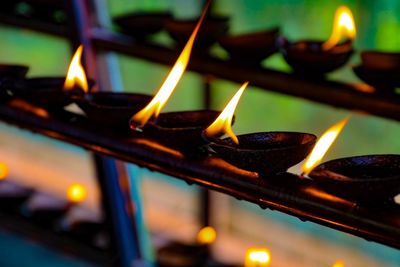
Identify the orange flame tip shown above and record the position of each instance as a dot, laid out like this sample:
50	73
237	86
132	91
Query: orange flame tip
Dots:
343	26
76	76
257	257
322	146
154	108
223	124
3	171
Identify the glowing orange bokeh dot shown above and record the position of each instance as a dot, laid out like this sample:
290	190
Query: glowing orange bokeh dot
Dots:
76	193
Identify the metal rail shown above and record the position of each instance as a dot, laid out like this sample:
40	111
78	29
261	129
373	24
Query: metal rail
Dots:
286	192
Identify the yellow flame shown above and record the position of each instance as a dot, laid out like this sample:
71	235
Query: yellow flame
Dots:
154	108
223	124
76	76
257	257
322	146
338	263
3	171
343	26
206	235
76	193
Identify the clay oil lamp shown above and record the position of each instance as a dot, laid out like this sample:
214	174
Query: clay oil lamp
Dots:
189	255
214	27
371	180
315	58
50	92
263	152
8	74
142	24
104	108
367	180
12	195
250	48
178	130
45	209
380	69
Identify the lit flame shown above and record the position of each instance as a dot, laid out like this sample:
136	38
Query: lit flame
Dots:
338	264
206	235
76	76
76	193
153	109
223	124
343	26
257	257
322	146
3	171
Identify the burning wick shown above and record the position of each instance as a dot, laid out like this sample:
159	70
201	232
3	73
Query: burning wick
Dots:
76	76
257	257
223	124
76	193
343	26
206	235
3	171
338	264
154	108
322	146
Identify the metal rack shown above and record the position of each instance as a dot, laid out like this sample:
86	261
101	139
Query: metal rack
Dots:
297	197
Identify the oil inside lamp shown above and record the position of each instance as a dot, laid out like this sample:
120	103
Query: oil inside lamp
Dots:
322	146
338	263
206	235
3	171
223	124
76	77
154	108
76	193
343	26
257	257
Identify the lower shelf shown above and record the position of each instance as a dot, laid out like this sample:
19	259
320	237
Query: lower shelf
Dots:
286	192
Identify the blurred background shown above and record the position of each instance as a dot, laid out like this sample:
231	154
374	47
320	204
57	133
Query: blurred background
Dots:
170	206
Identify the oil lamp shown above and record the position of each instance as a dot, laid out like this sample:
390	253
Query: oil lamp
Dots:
13	71
317	57
379	69
178	130
49	92
214	27
264	152
142	24
251	48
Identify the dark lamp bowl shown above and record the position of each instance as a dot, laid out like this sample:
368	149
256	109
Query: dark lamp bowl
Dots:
308	57
266	152
142	24
211	29
380	60
13	71
46	92
384	81
251	48
112	109
185	255
372	179
181	130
